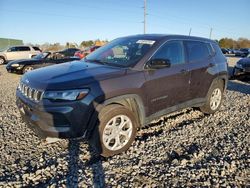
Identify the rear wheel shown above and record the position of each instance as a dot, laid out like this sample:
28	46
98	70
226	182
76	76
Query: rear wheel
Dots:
2	60
27	69
117	129
214	98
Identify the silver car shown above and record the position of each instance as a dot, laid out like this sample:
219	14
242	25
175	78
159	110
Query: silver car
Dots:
18	52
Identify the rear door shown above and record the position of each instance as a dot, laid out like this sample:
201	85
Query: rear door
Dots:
201	63
168	87
25	52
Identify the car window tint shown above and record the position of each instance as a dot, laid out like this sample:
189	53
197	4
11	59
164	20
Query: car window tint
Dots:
197	50
23	48
210	49
36	48
172	51
12	49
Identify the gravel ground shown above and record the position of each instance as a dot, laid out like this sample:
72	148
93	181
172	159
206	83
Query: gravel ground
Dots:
186	148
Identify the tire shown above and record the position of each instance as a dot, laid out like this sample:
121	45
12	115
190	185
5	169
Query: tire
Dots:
214	98
108	142
27	69
2	60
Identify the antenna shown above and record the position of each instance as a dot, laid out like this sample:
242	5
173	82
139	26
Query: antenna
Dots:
211	30
190	30
145	14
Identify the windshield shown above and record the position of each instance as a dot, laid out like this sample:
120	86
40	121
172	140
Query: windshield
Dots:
41	55
122	52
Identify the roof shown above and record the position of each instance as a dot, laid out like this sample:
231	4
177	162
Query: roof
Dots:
168	36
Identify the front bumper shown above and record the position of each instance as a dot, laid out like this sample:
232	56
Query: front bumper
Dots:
14	69
62	120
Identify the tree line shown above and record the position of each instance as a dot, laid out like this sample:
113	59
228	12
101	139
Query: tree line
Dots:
57	46
234	44
224	43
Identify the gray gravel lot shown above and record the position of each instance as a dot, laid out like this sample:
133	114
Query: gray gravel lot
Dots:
186	148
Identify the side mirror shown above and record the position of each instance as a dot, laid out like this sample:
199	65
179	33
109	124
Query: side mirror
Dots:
158	63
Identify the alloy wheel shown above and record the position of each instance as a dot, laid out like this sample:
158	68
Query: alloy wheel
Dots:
215	99
117	132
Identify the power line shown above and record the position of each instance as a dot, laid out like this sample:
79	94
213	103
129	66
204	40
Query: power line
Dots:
65	16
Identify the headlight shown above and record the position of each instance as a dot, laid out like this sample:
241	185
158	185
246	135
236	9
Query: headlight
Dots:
68	95
239	65
15	65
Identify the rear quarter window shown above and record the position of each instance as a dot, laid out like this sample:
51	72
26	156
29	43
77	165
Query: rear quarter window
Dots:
197	50
219	57
36	48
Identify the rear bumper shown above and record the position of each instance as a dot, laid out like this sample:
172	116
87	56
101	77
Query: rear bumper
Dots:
67	120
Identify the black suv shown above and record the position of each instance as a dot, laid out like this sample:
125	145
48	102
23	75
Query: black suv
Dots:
122	86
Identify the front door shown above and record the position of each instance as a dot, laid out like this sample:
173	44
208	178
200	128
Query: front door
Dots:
13	53
168	87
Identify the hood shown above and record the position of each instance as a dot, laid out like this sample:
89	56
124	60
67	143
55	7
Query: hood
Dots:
23	61
244	62
71	75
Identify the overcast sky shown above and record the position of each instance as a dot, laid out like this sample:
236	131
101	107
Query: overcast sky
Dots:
40	21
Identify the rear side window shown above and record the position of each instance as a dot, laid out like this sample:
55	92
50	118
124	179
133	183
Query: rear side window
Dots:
197	50
23	48
172	51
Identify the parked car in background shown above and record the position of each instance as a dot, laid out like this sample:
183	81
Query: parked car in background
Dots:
245	51
239	53
69	52
242	67
224	51
18	52
41	60
122	86
80	54
230	51
83	53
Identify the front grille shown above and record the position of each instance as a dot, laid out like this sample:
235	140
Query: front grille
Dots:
33	94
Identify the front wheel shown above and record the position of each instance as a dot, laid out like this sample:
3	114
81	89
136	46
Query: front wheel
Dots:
214	98
117	129
27	69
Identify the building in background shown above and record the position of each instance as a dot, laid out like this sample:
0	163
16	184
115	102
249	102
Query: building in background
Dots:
4	42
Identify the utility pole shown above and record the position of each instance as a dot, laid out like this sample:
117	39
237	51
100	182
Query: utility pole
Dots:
145	14
211	30
190	30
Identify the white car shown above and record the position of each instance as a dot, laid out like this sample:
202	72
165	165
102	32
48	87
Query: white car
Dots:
18	52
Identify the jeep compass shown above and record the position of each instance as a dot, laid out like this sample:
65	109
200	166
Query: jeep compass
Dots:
111	93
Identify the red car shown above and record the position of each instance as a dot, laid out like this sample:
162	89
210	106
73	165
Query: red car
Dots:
82	53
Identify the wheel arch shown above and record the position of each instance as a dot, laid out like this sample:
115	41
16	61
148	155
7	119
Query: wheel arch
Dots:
4	58
131	101
223	78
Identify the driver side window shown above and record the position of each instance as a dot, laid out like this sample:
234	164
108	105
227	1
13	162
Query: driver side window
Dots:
173	51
